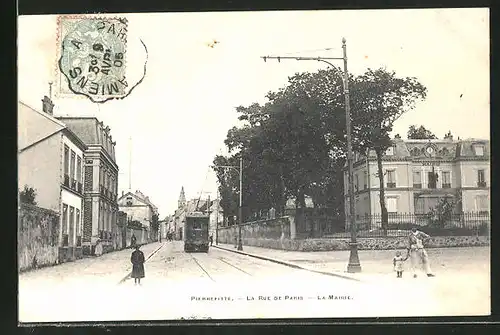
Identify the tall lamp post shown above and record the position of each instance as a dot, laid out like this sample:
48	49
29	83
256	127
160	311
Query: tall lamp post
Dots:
354	264
240	211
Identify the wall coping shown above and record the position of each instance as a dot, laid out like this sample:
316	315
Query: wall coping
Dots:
257	222
36	208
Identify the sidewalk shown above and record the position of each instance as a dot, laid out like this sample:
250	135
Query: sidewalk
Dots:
376	264
110	268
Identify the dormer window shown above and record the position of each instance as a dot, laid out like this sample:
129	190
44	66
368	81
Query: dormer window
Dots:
129	201
479	150
389	151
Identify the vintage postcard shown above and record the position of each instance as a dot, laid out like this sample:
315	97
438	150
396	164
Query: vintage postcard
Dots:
254	165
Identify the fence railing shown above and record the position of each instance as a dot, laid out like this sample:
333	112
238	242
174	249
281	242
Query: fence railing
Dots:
399	224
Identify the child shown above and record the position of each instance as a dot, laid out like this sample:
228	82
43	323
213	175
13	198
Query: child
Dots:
398	262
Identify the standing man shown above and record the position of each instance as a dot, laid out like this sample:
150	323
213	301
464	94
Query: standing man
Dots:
417	252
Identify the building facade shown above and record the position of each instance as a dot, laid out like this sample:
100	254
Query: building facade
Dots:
139	208
51	161
101	182
417	174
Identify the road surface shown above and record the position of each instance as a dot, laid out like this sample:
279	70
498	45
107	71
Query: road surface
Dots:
218	285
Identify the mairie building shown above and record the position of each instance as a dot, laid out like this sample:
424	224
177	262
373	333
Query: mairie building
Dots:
419	173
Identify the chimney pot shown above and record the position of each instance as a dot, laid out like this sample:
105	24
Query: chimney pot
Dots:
47	105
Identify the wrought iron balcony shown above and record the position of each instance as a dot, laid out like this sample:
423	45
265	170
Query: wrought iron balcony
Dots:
481	184
66	180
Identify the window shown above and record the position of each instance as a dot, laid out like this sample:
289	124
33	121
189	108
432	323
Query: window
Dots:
72	166
71	224
64	225
389	151
432	179
480	179
446	179
66	160
417	179
356	182
129	201
392	205
78	224
479	150
365	181
391	178
79	169
482	205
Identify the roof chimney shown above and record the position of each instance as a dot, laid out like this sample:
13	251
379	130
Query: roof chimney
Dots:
47	105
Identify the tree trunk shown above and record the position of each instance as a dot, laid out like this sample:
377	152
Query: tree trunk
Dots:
383	208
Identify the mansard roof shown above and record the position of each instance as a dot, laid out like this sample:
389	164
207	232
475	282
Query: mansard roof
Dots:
92	132
441	149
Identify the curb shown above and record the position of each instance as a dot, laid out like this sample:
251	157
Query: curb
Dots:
295	266
147	258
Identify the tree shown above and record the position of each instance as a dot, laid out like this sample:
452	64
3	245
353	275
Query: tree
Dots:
379	98
28	196
397	136
155	225
420	133
448	136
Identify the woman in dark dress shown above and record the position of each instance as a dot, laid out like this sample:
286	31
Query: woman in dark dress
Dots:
137	260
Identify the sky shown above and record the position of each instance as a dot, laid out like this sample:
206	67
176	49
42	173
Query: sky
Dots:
178	117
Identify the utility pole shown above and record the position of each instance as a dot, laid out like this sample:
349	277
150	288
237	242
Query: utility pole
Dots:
50	90
238	241
353	265
240	211
217	200
130	164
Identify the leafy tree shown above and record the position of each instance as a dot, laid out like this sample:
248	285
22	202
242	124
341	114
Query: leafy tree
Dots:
379	98
228	186
28	196
155	225
448	135
420	133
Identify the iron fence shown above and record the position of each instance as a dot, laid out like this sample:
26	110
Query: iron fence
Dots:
399	224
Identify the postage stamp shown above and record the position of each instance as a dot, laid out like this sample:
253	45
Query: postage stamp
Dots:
92	57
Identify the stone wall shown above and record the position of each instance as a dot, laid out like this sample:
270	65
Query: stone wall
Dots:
281	233
274	230
388	243
37	237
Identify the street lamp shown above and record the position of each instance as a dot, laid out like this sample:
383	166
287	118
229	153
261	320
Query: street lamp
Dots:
240	211
353	265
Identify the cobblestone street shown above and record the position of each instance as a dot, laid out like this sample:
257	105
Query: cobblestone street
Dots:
225	284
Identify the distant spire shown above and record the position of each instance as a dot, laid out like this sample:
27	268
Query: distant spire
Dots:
182	199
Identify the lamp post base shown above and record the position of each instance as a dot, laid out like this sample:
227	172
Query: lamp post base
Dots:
354	266
240	245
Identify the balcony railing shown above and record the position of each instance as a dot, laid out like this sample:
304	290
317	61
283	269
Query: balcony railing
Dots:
66	180
481	184
391	185
417	185
446	185
79	188
73	184
431	185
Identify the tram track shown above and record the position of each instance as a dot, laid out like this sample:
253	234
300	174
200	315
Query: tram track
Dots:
223	260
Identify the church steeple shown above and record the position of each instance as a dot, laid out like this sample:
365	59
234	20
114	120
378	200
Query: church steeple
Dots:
182	199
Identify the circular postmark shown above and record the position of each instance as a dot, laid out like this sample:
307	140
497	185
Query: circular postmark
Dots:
93	57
